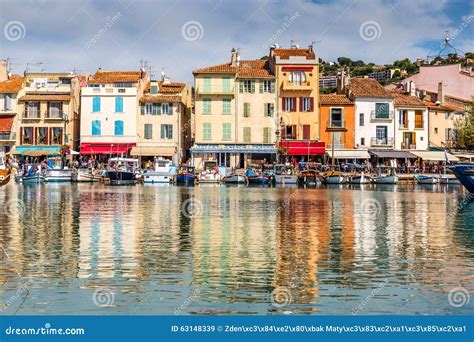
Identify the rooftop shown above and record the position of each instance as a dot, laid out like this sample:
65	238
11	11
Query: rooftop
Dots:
108	77
245	69
367	87
295	52
329	99
12	85
401	99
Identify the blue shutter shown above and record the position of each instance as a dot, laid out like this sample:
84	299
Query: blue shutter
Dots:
119	105
96	129
96	104
118	129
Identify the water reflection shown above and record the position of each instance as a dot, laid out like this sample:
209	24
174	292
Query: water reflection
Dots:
328	248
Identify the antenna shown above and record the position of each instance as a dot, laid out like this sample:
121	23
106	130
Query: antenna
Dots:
144	65
37	64
444	46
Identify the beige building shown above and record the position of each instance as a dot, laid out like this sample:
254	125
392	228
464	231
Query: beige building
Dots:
235	113
164	121
48	112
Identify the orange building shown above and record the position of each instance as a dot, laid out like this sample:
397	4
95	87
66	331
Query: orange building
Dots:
337	112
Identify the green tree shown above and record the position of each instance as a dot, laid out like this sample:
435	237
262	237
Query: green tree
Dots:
465	128
344	61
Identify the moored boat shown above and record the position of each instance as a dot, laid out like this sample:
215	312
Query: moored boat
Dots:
389	177
333	177
359	178
425	179
234	178
5	172
465	174
89	175
210	173
123	171
160	174
258	178
185	175
59	175
285	175
308	177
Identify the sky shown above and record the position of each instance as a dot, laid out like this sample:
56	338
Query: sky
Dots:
178	36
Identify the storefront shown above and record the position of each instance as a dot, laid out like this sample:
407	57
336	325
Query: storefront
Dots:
312	151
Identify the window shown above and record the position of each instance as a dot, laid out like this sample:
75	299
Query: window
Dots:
119	104
166	108
336	118
446	115
403	118
148	131
289	104
247	86
226	85
57	136
166	131
154	89
225	106
206	131
269	109
306	104
27	136
96	127
381	134
361	119
267	135
436	130
7	102
381	110
42	136
32	110
118	127
123	85
448	134
267	86
226	131
362	141
409	139
419	119
224	159
246	109
96	104
54	110
206	84
121	91
247	134
288	132
306	132
297	77
206	106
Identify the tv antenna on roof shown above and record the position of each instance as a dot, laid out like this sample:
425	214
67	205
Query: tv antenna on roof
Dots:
37	64
446	44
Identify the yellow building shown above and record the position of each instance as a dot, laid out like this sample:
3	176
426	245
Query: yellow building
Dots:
235	116
297	74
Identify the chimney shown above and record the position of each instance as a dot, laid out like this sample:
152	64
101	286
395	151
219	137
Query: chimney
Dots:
412	88
233	60
342	82
272	51
440	98
3	70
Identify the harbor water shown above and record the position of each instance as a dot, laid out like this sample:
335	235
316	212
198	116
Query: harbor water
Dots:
163	250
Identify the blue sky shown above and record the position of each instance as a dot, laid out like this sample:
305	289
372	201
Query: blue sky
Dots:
180	35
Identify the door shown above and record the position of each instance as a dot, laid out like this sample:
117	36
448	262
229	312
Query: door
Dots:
306	132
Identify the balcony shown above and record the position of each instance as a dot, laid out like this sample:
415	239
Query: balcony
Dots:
406	146
7	136
336	126
215	90
382	116
419	125
7	111
381	142
54	115
31	114
287	85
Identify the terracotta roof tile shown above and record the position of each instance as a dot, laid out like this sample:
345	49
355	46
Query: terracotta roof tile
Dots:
329	99
245	69
367	87
45	97
160	98
294	52
433	105
13	85
108	77
6	123
401	99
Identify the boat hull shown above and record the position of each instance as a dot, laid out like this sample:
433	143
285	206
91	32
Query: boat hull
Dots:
234	179
422	179
157	178
30	179
385	180
465	174
333	179
121	177
185	178
258	179
4	178
286	179
359	179
87	177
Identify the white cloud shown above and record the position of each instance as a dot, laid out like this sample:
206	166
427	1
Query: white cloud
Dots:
59	33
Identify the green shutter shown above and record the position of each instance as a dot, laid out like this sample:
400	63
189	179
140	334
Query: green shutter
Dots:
246	109
162	133
226	131
206	131
272	87
266	135
142	109
148	131
247	134
252	86
241	86
261	85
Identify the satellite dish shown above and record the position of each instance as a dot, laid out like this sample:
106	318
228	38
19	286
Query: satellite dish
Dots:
239	58
163	73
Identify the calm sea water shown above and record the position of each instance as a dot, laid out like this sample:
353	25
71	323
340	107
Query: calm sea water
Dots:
151	250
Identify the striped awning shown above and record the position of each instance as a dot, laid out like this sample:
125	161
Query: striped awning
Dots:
237	148
435	156
153	151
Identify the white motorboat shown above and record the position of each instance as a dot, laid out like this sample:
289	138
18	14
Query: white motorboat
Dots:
210	174
389	177
162	172
426	179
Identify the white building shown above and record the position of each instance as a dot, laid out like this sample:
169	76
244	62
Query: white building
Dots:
109	109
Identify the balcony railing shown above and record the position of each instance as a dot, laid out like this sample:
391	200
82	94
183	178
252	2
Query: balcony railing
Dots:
381	116
7	136
31	114
215	90
419	124
7	111
336	124
287	85
54	114
406	146
381	142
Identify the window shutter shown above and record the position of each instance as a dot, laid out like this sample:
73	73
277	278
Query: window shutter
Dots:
154	89
158	110
293	132
252	86
311	104
283	103
162	133
293	109
301	104
272	85
272	109
170	110
283	132
241	86
261	85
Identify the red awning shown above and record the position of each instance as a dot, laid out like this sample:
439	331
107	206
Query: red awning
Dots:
106	148
303	148
6	123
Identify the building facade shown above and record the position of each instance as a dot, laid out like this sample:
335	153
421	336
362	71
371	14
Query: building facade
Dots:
337	112
48	112
109	109
164	121
11	88
235	113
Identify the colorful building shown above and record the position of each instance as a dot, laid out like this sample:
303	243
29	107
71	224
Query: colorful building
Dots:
297	74
109	109
164	121
337	111
48	112
10	91
235	113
